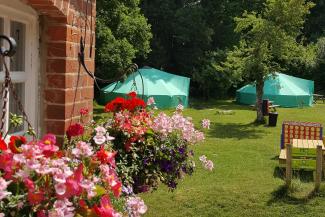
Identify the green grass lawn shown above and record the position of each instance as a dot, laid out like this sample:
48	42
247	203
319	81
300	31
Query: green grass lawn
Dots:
245	181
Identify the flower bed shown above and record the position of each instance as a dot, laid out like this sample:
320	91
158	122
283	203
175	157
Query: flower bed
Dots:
101	166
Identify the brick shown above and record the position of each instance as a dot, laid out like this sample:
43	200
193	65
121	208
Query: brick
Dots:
57	49
55	96
56	112
62	66
87	93
64	94
56	80
57	127
57	33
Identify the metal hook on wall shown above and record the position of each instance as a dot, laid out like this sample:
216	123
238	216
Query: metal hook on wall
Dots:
12	46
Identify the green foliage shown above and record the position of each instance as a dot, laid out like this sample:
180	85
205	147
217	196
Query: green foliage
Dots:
190	38
270	41
122	34
246	181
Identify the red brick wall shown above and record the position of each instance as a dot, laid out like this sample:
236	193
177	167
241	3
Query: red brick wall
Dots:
65	90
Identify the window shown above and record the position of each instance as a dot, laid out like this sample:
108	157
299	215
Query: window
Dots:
20	22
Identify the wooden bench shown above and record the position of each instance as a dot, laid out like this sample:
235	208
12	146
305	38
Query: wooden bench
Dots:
303	154
271	106
318	97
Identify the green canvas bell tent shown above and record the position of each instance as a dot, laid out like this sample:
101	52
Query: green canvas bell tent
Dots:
168	90
283	90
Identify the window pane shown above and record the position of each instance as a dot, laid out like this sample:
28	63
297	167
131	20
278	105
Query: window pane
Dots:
17	31
13	106
1	43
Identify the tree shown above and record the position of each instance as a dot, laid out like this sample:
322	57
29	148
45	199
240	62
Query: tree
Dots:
122	35
190	36
269	41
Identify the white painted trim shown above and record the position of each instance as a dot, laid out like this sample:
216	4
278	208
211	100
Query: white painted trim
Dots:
17	11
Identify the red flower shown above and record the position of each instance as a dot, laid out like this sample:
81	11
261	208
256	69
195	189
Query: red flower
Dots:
132	94
73	187
3	145
41	213
116	105
117	189
35	198
7	164
16	142
59	154
134	103
29	184
75	130
84	111
105	209
106	157
128	144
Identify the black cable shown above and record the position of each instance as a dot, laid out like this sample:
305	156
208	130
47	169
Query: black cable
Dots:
142	83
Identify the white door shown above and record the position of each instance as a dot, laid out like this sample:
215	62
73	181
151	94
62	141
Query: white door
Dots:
21	22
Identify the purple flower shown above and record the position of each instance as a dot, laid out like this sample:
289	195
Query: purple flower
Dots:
181	150
127	190
172	184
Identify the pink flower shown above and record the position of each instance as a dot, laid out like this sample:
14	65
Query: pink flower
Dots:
60	177
109	138
82	149
49	139
99	139
209	165
203	158
3	187
29	184
151	101
136	206
205	123
60	188
62	208
84	111
100	130
73	187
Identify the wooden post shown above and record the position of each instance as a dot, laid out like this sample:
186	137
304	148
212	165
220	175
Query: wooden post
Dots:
319	158
289	164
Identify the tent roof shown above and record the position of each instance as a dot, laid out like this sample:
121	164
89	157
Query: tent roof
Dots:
282	84
156	82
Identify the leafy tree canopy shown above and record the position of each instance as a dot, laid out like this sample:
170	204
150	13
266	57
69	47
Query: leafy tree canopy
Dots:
270	41
122	34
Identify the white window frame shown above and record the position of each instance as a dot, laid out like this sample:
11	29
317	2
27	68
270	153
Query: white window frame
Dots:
15	10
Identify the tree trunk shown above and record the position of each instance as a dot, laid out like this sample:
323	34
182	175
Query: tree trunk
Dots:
259	100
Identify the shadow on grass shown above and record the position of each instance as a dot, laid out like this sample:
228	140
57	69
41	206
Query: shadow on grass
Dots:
284	194
218	104
236	130
301	175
